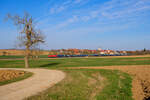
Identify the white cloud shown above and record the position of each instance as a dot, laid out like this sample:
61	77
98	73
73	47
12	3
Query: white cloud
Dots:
67	22
113	10
57	9
60	7
118	9
77	1
66	5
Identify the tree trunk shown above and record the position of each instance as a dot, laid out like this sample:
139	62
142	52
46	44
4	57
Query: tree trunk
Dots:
27	51
26	59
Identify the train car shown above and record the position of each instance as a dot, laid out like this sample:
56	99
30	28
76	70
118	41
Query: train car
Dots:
59	56
52	56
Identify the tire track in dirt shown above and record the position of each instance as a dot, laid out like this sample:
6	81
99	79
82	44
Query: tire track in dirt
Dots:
141	78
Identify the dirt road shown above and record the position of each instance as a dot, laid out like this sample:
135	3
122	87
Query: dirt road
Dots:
41	80
141	79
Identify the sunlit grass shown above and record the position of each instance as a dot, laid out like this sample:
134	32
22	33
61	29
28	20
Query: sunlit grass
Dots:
75	62
88	84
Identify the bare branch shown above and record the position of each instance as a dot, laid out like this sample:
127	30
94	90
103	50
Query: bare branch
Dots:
30	37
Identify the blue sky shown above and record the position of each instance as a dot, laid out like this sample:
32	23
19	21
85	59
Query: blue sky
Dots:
91	24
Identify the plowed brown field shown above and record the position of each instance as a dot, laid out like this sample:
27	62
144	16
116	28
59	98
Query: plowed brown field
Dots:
10	74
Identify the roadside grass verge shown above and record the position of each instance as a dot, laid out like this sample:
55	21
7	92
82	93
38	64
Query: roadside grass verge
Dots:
26	75
75	62
89	84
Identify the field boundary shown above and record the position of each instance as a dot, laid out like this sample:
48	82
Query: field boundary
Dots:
140	82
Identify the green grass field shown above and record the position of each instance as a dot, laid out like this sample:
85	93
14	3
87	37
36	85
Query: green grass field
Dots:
77	86
75	62
10	57
89	84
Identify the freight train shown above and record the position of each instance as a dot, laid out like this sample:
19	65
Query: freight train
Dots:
59	56
90	55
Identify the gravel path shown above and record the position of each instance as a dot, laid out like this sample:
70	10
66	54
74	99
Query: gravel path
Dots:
41	80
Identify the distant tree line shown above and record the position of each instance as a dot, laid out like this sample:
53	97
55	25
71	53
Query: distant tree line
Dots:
139	52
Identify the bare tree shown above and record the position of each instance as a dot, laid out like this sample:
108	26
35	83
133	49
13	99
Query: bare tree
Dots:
4	53
29	36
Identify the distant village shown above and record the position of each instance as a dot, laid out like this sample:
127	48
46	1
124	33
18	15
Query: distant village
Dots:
99	51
